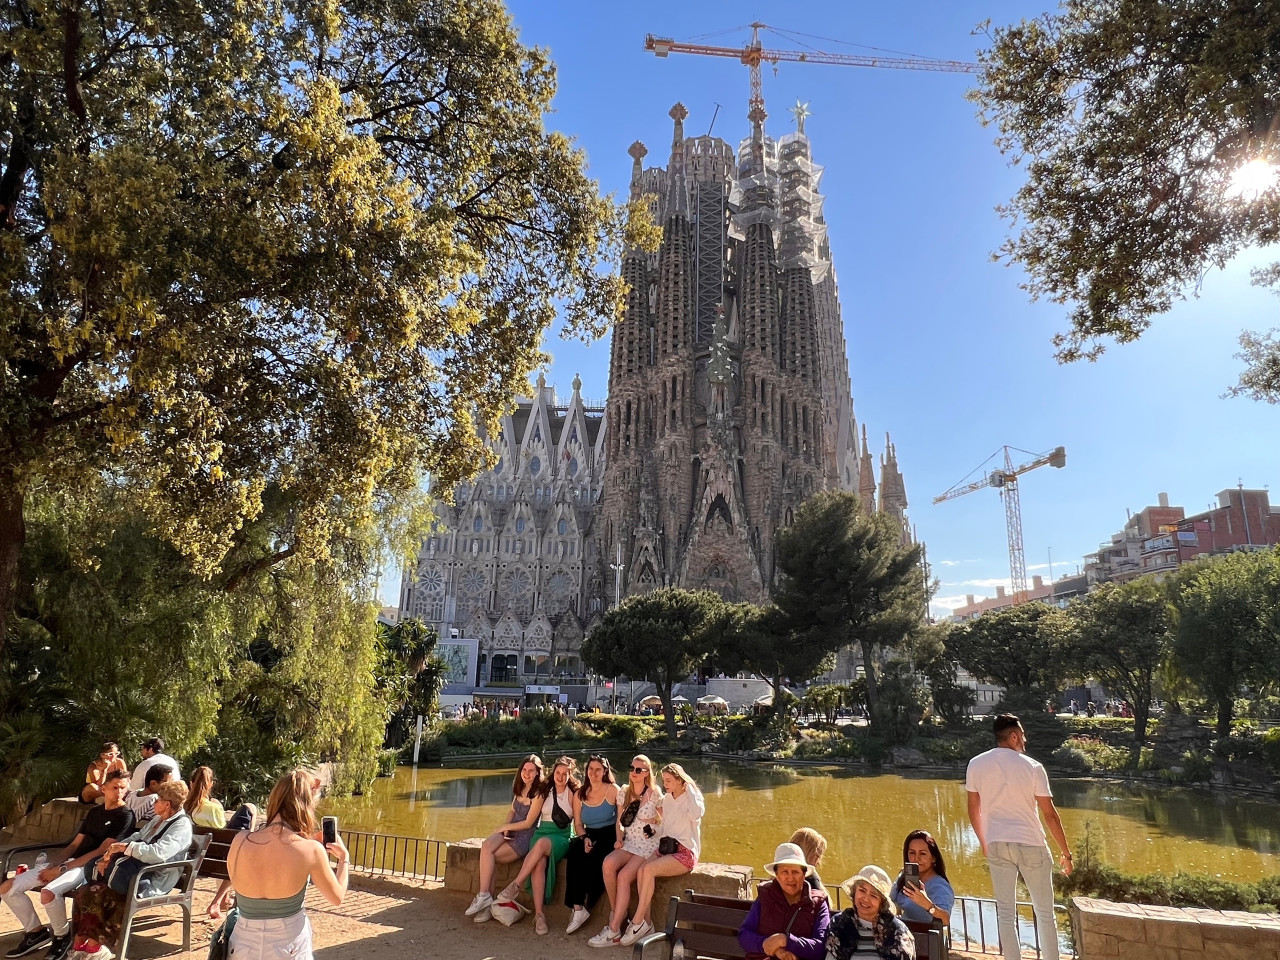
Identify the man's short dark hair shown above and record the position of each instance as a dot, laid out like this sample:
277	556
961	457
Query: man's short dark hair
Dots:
156	774
114	775
1003	724
154	744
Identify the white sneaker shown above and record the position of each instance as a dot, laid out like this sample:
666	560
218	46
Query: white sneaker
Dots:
608	937
580	916
482	901
484	915
635	932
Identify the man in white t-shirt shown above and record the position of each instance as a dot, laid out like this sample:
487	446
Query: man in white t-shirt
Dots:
152	753
1007	793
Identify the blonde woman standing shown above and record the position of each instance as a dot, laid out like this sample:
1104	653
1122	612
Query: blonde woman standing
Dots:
637	833
270	870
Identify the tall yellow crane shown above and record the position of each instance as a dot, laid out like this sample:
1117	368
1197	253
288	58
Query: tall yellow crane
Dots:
1006	481
755	53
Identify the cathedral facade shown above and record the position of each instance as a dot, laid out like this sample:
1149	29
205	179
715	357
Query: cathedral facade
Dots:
729	392
729	405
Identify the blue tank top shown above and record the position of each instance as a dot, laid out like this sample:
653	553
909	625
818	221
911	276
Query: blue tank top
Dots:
603	815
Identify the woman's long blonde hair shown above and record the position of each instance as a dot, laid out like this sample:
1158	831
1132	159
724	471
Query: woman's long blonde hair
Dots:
293	800
812	843
201	788
650	780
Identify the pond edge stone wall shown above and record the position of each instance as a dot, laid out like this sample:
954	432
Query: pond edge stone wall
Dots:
1105	930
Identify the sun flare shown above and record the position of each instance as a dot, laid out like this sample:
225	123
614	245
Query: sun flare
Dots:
1252	179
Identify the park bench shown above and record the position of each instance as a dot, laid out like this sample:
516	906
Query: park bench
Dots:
11	855
180	896
214	864
707	926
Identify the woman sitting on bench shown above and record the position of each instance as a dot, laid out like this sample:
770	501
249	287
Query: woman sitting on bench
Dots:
789	919
870	922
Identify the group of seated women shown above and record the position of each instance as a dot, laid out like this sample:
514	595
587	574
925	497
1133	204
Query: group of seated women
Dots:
791	918
611	836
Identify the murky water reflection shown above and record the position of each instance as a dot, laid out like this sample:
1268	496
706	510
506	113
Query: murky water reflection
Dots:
752	808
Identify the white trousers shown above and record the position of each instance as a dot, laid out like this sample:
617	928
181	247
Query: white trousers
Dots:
19	902
287	939
1035	863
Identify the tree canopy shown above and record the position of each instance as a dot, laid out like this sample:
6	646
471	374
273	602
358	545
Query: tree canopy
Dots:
1132	120
1228	616
276	245
1017	648
759	639
847	577
662	636
1121	634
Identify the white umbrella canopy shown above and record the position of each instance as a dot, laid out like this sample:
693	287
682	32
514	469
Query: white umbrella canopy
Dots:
679	699
712	699
766	700
651	701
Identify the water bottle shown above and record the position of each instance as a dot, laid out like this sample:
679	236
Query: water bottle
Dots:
42	861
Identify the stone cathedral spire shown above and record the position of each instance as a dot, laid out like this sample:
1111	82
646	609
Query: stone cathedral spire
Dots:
729	393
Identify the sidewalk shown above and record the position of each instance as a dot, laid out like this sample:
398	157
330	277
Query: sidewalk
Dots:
393	920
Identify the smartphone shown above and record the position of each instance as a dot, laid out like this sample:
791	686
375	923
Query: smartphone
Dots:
329	829
911	874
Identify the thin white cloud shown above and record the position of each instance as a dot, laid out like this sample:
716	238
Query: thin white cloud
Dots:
949	603
989	583
954	563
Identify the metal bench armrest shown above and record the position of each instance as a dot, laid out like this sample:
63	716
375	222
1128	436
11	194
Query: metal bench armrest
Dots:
156	868
637	950
27	848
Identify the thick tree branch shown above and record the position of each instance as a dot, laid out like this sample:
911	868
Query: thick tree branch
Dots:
248	570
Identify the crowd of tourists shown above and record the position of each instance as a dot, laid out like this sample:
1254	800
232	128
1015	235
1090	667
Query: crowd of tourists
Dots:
612	834
146	817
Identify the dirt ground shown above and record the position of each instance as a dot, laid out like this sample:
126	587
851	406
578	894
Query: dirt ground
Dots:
383	918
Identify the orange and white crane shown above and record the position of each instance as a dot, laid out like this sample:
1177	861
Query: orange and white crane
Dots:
1006	481
755	53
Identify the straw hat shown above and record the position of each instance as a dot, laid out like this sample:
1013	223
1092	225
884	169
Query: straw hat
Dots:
788	854
876	879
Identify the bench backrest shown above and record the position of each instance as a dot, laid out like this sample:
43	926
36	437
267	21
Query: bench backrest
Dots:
706	929
931	939
215	858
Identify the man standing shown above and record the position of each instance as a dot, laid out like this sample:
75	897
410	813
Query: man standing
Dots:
103	825
152	753
1007	790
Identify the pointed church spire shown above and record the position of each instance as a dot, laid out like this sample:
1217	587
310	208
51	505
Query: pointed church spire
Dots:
866	476
678	198
637	151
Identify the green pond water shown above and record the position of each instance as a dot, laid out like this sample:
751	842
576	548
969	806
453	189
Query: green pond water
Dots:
752	807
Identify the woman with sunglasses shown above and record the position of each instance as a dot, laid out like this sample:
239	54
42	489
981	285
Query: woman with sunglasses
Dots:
637	841
595	817
682	810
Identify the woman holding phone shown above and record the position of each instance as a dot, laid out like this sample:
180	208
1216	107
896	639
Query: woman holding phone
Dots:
922	891
510	841
270	869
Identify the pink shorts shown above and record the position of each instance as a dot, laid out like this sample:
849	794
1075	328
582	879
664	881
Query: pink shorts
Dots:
685	856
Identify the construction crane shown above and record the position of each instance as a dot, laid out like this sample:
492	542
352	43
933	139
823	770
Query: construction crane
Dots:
1006	481
755	53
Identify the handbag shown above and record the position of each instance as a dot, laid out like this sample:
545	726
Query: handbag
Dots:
668	846
123	869
629	815
220	945
558	816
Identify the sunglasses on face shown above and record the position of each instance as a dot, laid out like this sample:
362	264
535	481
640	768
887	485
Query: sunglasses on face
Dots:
639	770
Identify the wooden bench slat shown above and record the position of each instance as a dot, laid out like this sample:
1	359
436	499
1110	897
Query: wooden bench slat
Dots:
699	944
709	915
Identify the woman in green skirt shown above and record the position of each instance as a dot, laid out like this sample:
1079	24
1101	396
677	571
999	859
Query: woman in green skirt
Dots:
550	844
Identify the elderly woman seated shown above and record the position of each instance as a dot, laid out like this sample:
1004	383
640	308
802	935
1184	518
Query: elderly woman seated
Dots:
789	919
870	922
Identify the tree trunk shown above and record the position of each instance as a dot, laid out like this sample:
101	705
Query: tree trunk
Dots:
13	534
873	695
776	683
668	712
1226	705
1141	714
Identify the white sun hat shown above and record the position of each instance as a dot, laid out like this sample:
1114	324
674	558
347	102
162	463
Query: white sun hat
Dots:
788	854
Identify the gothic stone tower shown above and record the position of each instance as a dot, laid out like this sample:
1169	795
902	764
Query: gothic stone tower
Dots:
729	393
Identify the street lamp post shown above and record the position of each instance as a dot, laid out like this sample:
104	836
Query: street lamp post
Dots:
617	567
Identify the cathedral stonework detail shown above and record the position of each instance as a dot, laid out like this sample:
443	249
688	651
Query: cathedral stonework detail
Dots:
729	405
729	394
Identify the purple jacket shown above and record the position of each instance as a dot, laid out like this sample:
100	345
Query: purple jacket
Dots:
771	913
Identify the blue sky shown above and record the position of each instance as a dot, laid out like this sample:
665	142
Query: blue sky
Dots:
946	351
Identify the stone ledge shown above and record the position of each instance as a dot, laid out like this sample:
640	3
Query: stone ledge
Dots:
1105	930
462	874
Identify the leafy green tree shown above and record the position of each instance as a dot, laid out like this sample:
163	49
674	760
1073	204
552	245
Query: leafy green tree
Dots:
408	675
1121	634
928	649
846	577
662	636
1131	120
1018	648
1228	613
257	245
824	699
758	639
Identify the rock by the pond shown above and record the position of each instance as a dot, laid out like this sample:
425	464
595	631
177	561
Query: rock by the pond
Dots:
907	757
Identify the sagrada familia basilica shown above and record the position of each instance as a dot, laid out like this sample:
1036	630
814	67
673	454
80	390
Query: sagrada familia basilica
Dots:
729	405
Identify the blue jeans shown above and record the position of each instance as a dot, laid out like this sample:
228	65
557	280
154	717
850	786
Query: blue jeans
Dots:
1006	861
